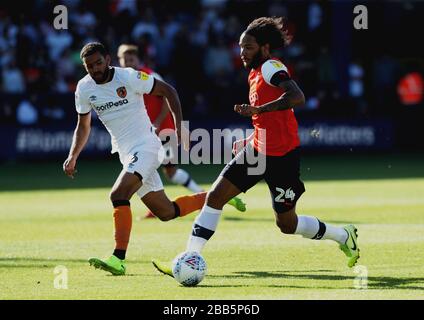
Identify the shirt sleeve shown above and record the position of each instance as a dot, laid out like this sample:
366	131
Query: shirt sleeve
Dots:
140	81
81	103
157	76
274	67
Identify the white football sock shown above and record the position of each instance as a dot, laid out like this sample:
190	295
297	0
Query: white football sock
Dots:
183	178
312	228
307	226
180	176
203	228
335	233
194	187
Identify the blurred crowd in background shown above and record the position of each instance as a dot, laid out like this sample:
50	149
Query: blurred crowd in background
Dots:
194	46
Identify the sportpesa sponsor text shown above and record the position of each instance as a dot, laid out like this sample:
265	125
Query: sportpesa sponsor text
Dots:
109	105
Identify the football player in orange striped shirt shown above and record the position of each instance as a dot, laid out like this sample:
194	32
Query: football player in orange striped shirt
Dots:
273	95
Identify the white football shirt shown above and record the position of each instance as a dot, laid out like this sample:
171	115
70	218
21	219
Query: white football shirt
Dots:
119	105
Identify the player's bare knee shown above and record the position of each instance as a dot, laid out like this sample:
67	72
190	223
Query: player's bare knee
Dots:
286	227
215	199
119	194
164	217
113	195
164	213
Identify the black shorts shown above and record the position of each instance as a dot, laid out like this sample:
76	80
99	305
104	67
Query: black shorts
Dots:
282	175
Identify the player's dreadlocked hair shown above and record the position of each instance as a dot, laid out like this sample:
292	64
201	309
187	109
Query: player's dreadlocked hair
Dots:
93	47
269	30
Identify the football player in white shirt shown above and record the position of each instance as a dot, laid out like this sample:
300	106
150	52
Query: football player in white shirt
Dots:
115	95
159	114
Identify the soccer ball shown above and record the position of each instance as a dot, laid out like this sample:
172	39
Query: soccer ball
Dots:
189	268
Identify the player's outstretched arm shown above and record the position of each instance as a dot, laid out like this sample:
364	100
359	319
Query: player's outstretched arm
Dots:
162	115
291	98
164	89
80	138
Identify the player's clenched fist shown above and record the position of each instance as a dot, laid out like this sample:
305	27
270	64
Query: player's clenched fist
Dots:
69	167
245	110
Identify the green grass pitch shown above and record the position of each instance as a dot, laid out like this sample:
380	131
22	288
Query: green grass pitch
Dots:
47	220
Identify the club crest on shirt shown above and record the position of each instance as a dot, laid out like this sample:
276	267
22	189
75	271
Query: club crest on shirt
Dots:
142	75
122	92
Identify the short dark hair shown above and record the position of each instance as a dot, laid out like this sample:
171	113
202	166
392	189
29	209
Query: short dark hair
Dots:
93	47
269	30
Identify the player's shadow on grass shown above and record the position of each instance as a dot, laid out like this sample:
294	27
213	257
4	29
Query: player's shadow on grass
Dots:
343	222
244	219
271	218
219	286
23	262
377	283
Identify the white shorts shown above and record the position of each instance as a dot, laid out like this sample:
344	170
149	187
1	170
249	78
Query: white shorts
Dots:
153	183
144	162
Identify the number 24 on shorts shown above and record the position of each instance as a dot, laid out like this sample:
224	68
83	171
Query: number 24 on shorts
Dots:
284	194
